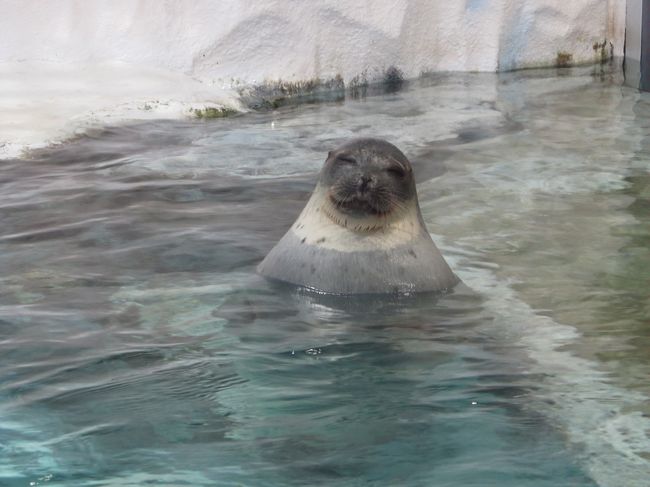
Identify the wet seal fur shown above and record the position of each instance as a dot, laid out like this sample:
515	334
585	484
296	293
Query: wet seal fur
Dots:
361	232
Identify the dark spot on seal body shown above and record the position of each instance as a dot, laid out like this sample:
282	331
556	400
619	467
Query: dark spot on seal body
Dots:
321	240
303	239
313	269
412	252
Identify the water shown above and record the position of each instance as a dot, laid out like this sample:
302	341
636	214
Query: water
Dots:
137	345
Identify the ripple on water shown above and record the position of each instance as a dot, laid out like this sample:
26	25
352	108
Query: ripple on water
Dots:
138	346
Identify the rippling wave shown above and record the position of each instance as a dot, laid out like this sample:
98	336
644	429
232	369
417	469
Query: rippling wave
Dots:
137	344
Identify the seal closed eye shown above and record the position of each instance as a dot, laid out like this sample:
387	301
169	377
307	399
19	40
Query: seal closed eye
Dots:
361	232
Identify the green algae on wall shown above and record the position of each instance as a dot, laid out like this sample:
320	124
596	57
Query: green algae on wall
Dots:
212	112
563	59
275	94
604	51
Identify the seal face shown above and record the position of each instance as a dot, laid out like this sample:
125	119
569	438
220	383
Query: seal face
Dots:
365	185
361	231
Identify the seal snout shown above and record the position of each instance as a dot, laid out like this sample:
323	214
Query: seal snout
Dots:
365	184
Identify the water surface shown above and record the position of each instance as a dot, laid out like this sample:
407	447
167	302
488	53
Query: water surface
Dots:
137	345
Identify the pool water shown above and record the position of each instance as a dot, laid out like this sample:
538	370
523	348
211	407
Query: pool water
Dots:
139	347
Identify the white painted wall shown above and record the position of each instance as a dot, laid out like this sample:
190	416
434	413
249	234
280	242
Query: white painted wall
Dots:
250	41
69	64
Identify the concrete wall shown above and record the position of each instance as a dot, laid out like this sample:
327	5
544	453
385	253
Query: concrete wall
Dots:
252	41
637	44
633	29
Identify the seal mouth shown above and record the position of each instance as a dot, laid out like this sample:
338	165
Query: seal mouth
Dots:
356	206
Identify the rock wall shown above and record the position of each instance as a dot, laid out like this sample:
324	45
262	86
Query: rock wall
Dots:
66	65
231	42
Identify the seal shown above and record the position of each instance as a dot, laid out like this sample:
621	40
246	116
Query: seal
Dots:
361	232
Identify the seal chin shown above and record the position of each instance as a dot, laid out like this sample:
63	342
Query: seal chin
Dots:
357	214
359	207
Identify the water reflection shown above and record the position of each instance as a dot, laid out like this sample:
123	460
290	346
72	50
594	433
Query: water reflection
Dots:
138	345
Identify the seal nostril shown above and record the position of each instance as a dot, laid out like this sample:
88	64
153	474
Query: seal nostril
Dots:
364	182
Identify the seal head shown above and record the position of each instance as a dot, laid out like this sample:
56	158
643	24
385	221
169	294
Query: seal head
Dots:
361	231
369	183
